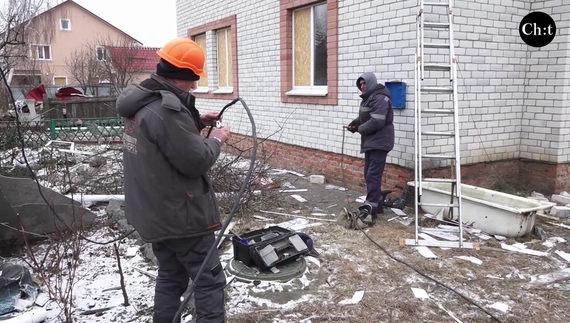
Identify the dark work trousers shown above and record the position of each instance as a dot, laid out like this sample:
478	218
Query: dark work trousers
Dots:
178	261
374	162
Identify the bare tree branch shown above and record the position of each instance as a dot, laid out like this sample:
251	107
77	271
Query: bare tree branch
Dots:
84	68
94	63
23	23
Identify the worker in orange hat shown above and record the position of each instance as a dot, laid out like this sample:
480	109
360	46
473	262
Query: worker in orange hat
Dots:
168	195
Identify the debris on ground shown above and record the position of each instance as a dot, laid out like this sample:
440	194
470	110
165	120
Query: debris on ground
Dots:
354	275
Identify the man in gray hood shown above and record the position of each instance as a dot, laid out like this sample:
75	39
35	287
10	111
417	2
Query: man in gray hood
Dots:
375	125
168	195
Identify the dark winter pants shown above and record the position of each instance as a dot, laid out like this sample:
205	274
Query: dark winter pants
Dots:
178	261
374	162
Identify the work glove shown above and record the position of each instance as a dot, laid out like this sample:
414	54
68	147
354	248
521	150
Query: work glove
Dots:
352	127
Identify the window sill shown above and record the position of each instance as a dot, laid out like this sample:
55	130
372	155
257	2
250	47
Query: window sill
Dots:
308	92
201	90
224	90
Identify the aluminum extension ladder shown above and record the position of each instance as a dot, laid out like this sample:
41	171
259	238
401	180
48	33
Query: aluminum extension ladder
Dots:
423	68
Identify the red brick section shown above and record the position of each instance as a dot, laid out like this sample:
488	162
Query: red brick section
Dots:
523	174
562	178
286	40
230	22
544	177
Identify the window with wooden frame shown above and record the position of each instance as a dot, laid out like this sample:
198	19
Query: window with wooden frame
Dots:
220	39
203	82
224	60
310	49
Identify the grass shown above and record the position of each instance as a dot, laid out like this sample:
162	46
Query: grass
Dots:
351	262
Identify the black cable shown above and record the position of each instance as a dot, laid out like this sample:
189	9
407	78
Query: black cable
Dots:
412	267
33	174
224	109
188	293
431	278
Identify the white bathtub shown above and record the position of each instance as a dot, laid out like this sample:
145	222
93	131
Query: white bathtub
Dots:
487	210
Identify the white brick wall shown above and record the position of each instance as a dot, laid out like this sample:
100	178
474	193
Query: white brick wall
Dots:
499	119
546	121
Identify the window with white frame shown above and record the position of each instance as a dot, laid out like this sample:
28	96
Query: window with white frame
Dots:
224	59
60	80
65	24
203	82
101	53
41	52
310	48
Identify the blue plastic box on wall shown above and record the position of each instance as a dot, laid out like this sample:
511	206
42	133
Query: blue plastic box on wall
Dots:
398	92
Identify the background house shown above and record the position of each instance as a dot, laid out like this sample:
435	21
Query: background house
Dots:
68	45
132	64
513	98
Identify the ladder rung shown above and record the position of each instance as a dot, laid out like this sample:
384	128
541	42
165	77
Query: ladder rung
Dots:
437	205
440	89
442	111
438	133
434	156
439	180
436	45
441	4
437	67
430	24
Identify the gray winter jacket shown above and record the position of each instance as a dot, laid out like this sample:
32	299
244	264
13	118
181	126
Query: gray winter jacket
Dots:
376	116
168	193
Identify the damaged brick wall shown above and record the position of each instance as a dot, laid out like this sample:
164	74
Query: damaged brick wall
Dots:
518	174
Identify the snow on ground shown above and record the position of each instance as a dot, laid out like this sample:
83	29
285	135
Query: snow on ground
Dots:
97	285
350	264
93	169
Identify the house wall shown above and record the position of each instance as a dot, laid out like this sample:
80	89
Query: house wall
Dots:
546	121
86	29
141	76
509	120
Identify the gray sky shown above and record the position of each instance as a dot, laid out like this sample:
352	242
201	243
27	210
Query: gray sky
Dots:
151	22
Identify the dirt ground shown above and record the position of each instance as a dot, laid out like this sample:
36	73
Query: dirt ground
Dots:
353	260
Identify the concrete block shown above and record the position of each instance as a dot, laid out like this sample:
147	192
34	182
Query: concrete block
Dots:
536	194
317	179
541	199
560	211
560	199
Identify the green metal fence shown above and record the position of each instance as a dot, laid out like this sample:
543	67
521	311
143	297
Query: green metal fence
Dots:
86	129
36	134
33	134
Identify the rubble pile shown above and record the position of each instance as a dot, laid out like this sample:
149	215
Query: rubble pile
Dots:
561	210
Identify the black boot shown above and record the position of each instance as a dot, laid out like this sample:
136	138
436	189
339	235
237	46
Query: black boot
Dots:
374	214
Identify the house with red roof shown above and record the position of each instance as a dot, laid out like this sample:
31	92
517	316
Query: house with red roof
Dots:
71	46
132	64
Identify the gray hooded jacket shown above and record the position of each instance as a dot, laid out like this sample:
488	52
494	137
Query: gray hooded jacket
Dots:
376	116
168	193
